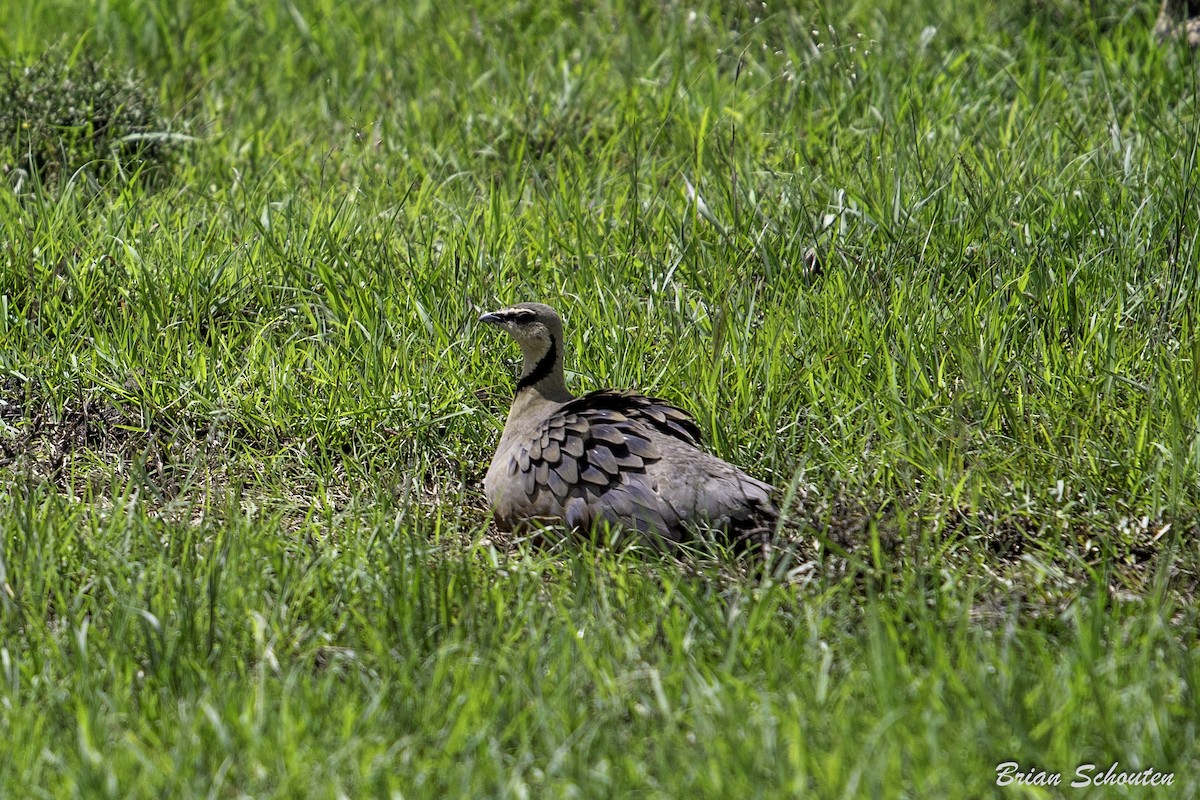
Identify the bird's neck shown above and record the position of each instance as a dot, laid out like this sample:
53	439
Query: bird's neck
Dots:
542	374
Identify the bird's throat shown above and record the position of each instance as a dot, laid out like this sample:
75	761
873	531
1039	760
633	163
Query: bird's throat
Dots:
542	368
545	375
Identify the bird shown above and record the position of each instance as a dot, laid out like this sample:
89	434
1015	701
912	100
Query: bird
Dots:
611	456
1176	18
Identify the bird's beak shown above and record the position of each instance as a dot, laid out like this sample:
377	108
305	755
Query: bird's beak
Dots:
491	318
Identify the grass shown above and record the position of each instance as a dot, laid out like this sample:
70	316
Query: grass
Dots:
941	292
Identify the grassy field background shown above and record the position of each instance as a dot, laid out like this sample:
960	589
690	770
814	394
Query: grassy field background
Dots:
942	290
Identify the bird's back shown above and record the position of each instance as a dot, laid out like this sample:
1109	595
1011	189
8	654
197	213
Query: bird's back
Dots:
622	458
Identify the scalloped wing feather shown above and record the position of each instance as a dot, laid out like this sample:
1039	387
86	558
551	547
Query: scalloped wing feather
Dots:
600	457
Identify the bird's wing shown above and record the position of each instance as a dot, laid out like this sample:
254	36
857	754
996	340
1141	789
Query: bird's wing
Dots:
588	461
658	414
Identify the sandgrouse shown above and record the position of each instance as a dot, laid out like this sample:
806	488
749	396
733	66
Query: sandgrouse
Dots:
1179	18
609	456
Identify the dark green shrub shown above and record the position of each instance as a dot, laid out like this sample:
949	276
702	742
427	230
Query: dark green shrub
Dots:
59	118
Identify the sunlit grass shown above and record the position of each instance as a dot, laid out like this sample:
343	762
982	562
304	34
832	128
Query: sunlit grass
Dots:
939	290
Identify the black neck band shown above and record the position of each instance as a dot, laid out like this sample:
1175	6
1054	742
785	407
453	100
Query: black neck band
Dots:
542	369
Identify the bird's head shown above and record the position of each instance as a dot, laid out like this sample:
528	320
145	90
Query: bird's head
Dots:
538	330
536	327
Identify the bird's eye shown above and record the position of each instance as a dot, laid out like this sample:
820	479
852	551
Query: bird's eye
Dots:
525	317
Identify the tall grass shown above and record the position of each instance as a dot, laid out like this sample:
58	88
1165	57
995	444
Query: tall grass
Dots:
929	270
